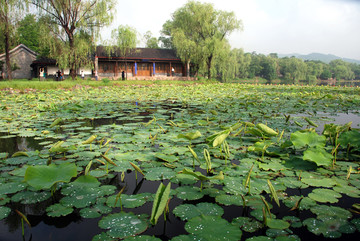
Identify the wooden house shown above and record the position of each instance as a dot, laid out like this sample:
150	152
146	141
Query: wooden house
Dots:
141	62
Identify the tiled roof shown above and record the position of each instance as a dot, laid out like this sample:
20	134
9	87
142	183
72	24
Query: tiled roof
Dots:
139	53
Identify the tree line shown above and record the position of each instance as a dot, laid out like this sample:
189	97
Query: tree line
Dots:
68	30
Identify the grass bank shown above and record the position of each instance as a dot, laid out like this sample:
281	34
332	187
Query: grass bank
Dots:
23	84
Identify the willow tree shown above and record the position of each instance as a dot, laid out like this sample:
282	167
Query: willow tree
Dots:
9	13
75	24
201	25
123	41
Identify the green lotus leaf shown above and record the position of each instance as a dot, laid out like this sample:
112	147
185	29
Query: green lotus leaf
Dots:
212	192
4	199
229	200
319	156
142	238
307	139
259	238
234	185
159	173
356	223
292	182
351	138
44	177
57	210
28	197
122	225
295	222
129	201
212	228
189	193
4	212
189	237
323	211
80	200
189	211
184	179
11	187
103	237
351	191
166	158
330	227
324	195
277	223
95	211
305	203
258	214
190	135
247	224
314	182
273	166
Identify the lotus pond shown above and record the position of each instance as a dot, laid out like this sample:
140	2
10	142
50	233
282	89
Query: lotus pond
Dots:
196	162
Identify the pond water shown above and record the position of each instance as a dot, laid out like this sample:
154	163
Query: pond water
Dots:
74	227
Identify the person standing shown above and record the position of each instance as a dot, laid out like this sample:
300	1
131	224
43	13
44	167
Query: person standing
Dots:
41	74
172	71
82	74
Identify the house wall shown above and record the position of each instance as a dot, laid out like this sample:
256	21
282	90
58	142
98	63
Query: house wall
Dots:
23	60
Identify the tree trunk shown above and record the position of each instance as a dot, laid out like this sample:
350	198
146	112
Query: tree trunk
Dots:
7	50
72	57
188	69
209	61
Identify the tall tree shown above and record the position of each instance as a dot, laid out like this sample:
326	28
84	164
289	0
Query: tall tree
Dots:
205	27
124	41
9	12
76	23
150	41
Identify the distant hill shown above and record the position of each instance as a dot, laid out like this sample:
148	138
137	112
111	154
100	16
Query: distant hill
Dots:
317	56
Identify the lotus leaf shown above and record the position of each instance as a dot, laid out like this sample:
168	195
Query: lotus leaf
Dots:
351	138
259	215
323	211
189	193
295	222
122	225
4	212
189	211
95	211
330	227
314	182
307	139
247	224
184	179
159	173
305	203
229	200
103	237
129	201
324	195
319	156
189	237
190	136
44	177
28	197
142	238
212	228
166	158
259	238
11	187
277	223
57	210
356	223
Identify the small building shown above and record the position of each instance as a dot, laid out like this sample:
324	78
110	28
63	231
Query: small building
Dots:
21	58
141	62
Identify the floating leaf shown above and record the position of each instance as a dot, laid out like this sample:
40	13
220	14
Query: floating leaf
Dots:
190	136
247	224
4	212
277	223
58	210
212	228
319	156
189	211
189	193
323	182
44	177
310	139
122	225
324	195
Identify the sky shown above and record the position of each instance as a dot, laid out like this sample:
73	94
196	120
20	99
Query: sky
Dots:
270	26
